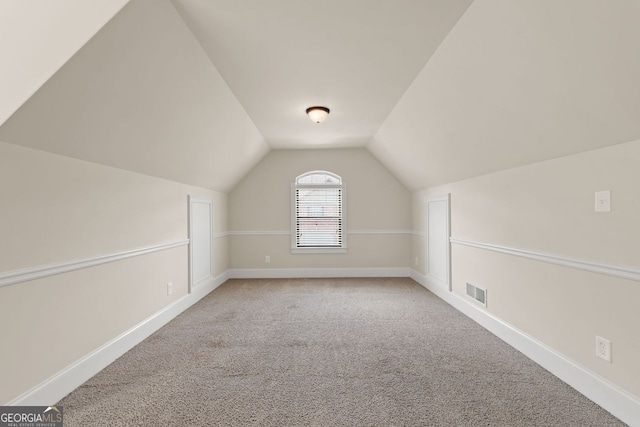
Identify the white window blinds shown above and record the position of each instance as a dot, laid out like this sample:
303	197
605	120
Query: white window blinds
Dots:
319	217
318	211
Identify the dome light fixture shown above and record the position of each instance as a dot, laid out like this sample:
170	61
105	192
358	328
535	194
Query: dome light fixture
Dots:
317	114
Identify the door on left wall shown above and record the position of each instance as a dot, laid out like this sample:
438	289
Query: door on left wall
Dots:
200	241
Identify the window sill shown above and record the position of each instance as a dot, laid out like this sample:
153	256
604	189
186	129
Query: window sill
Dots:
318	250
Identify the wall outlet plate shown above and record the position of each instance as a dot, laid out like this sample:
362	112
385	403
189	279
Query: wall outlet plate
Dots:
603	201
169	288
603	348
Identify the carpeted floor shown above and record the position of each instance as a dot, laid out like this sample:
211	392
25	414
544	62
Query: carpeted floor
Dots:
326	352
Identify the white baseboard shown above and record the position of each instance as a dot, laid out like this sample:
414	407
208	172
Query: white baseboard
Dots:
296	273
617	401
64	382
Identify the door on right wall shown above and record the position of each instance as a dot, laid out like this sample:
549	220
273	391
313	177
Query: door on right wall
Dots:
438	246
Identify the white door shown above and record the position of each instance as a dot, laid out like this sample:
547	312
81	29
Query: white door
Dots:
200	241
438	251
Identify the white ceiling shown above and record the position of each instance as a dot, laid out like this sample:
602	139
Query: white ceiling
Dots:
356	57
197	91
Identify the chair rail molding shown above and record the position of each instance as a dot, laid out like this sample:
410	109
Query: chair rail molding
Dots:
631	273
287	233
41	271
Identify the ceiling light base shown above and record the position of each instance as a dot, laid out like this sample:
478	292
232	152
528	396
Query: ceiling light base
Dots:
317	114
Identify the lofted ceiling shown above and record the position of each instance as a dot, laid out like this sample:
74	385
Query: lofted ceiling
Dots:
517	82
198	91
38	36
355	57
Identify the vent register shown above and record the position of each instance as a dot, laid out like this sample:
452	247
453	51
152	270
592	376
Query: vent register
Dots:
477	293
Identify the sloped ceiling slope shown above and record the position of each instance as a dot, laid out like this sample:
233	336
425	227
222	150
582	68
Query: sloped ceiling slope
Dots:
356	57
38	36
516	82
143	96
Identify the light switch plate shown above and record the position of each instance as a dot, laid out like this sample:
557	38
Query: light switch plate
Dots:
603	201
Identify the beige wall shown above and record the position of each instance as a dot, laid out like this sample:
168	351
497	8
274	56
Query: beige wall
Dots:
376	201
56	209
549	207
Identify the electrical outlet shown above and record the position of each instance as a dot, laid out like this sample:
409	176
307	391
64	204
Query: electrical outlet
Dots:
417	261
267	259
169	288
603	348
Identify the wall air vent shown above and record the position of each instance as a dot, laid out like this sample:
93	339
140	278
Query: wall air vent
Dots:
471	290
477	293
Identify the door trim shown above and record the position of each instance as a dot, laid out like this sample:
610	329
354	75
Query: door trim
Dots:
447	283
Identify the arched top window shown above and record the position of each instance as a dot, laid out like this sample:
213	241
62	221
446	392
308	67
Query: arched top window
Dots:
318	178
318	214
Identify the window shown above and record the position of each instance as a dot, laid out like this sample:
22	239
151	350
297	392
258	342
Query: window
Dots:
318	213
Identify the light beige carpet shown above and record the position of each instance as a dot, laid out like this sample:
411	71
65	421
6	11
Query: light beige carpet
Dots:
326	352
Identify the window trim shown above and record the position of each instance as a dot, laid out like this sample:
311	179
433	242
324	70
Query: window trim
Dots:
343	224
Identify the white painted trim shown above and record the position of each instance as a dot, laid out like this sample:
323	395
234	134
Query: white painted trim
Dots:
614	399
312	250
318	172
64	382
418	233
379	232
446	281
433	279
38	272
631	273
287	233
285	273
191	200
260	233
222	234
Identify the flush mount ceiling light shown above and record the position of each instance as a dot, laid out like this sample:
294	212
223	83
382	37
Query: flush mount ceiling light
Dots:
317	114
